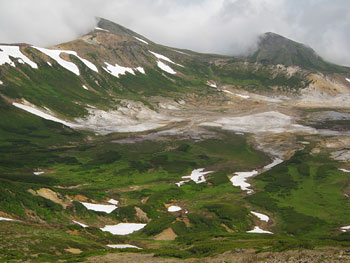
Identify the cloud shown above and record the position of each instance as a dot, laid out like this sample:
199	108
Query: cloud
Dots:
221	26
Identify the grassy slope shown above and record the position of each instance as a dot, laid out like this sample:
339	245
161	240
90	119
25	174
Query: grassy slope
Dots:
296	201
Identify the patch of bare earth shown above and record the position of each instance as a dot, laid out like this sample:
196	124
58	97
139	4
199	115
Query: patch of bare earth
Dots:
73	250
167	234
53	196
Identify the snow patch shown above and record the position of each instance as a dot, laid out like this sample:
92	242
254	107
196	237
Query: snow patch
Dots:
345	228
84	87
165	68
42	114
140	69
80	224
122	246
159	56
100	208
5	219
101	29
242	96
113	202
14	51
123	229
236	94
344	170
212	84
348	80
258	230
275	162
197	175
55	55
240	179
38	173
139	39
118	70
174	208
181	183
262	217
1	83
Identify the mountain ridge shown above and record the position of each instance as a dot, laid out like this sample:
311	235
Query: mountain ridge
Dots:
277	49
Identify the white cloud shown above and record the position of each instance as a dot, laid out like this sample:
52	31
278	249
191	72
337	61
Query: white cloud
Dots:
221	26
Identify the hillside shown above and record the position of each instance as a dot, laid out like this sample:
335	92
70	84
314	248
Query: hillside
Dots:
113	143
276	49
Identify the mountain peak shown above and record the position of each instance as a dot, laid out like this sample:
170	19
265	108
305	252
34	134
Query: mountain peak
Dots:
276	49
116	28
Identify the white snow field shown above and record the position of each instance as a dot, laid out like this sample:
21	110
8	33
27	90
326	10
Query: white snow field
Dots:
159	56
113	202
42	114
262	217
118	70
55	55
275	162
123	229
14	51
100	208
344	170
345	228
80	224
84	87
121	246
1	83
141	70
139	39
38	173
174	208
5	219
181	183
212	84
165	68
348	80
258	230
236	94
240	179
197	175
101	29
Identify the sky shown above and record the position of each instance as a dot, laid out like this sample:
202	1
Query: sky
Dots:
229	27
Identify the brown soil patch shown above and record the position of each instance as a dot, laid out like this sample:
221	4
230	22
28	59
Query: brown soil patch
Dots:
73	250
227	228
70	187
167	234
141	215
144	200
185	220
53	196
80	198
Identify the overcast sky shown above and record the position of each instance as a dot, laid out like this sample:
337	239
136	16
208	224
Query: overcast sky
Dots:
220	26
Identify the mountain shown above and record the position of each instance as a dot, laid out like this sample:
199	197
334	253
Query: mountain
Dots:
276	49
112	141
